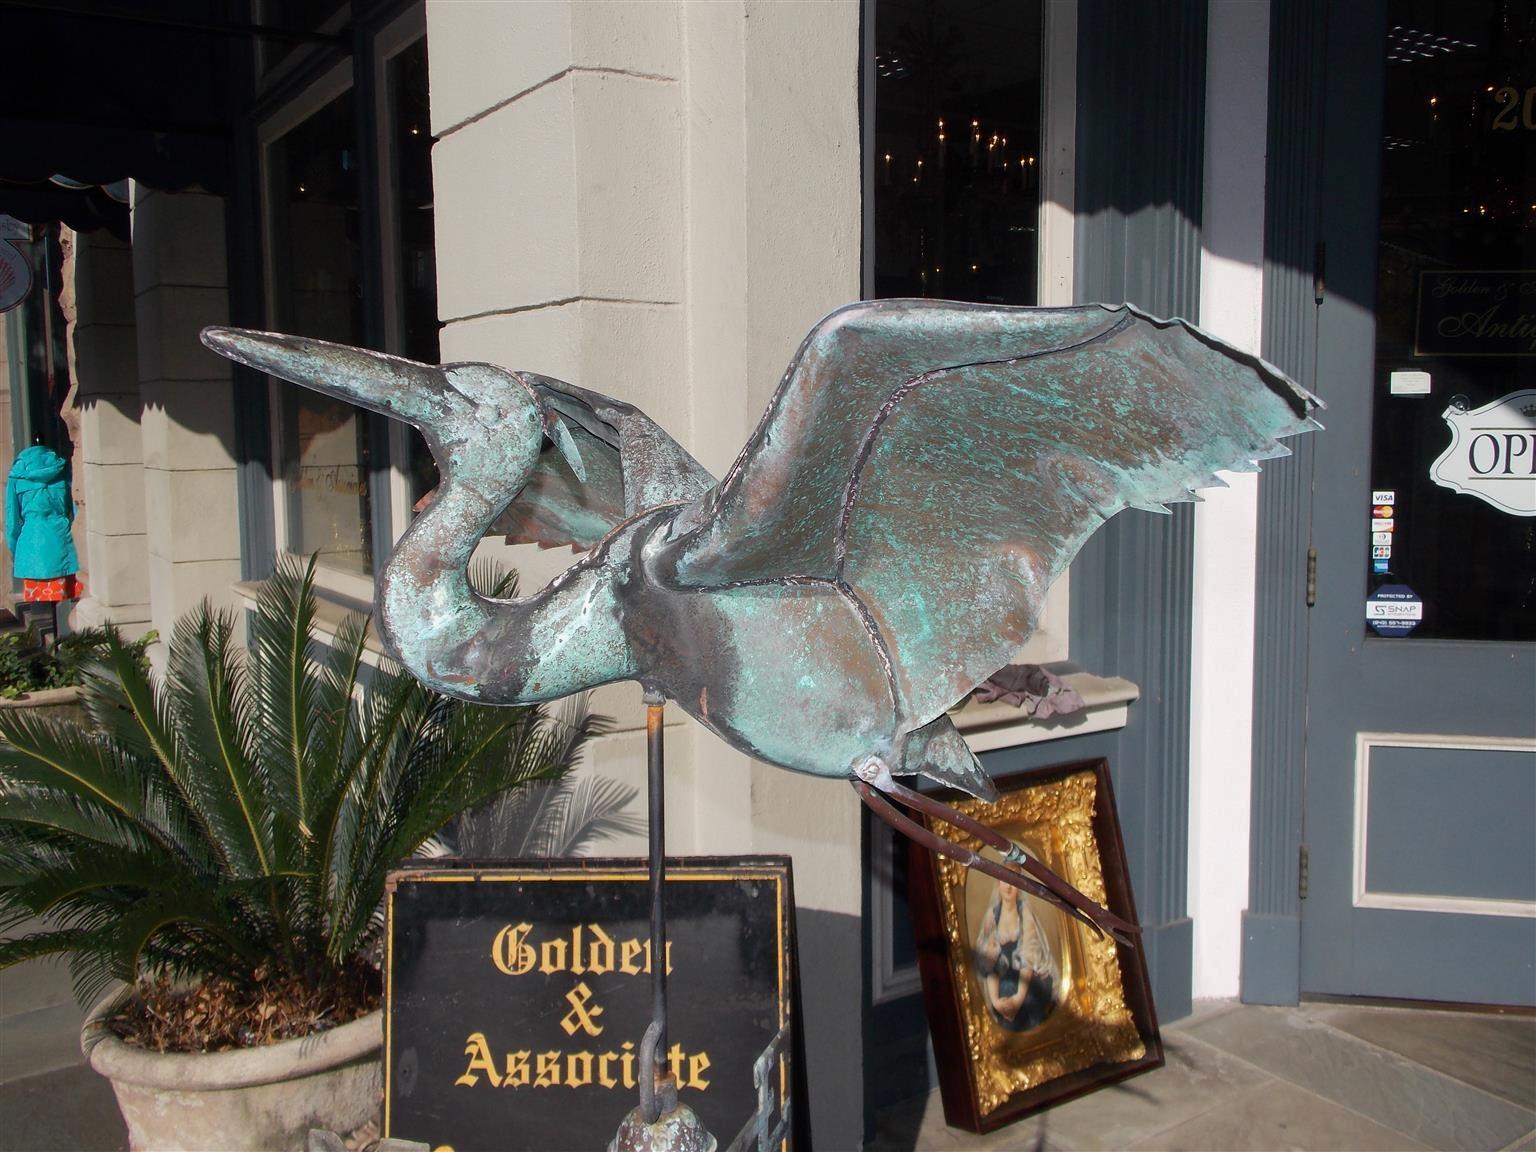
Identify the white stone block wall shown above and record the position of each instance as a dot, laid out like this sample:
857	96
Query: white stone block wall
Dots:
657	200
108	462
188	423
610	212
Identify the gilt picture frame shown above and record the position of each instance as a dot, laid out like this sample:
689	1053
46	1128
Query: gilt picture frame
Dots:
1027	1006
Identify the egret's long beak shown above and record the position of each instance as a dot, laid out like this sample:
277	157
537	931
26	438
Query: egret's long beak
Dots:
403	389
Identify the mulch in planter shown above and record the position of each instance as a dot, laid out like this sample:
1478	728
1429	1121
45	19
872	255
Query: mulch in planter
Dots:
221	1015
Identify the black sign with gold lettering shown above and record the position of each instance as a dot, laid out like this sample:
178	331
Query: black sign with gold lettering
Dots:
516	997
1476	313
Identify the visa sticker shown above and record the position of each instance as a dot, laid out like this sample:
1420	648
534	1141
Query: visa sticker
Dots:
1384	496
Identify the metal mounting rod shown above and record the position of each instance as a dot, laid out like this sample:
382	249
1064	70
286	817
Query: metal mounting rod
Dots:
656	1034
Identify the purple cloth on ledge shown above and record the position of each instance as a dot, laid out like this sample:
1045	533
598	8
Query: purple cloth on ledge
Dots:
1040	693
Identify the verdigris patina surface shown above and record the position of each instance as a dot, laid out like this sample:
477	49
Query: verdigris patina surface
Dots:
882	544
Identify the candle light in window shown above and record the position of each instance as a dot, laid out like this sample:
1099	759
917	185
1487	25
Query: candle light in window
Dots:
975	139
918	179
886	178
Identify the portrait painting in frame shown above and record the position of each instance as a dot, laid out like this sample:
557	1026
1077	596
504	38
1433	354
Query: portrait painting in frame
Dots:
1027	1006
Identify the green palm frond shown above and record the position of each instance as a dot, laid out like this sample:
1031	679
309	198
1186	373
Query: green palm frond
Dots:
286	690
564	817
44	814
46	757
210	711
338	754
490	579
240	813
37	945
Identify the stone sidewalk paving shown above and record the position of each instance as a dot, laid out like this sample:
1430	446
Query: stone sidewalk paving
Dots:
1319	1076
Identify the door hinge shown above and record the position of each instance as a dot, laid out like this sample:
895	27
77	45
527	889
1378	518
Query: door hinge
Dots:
1311	577
1319	272
1302	868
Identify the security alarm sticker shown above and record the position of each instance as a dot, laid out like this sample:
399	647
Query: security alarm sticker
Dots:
1393	610
1384	496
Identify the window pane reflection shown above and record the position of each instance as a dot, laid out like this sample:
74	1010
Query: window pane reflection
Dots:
957	147
313	202
1453	453
417	271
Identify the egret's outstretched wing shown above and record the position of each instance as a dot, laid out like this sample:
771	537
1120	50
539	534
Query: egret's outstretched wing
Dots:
943	463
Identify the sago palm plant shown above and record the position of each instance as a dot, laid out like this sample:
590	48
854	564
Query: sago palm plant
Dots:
233	819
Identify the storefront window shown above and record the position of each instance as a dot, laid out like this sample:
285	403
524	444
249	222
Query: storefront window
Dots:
1452	553
347	171
316	290
295	17
957	150
416	261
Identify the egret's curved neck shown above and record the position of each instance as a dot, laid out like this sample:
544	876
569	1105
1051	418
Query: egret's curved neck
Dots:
564	639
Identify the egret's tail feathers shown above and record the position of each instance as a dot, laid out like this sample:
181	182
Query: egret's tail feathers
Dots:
939	752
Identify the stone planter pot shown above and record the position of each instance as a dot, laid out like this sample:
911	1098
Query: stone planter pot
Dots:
58	703
264	1098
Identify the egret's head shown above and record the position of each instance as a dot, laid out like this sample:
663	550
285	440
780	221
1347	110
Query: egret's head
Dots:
481	422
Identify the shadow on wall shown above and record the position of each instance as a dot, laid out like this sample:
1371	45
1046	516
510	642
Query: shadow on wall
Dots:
1124	194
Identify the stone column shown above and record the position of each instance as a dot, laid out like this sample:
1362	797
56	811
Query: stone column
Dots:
190	494
559	215
656	201
108	461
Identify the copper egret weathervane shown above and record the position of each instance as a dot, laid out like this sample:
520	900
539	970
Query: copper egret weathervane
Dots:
882	544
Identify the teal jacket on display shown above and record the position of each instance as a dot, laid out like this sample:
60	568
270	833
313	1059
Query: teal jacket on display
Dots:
38	512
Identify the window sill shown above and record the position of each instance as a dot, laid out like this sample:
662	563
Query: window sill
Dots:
1107	700
331	608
